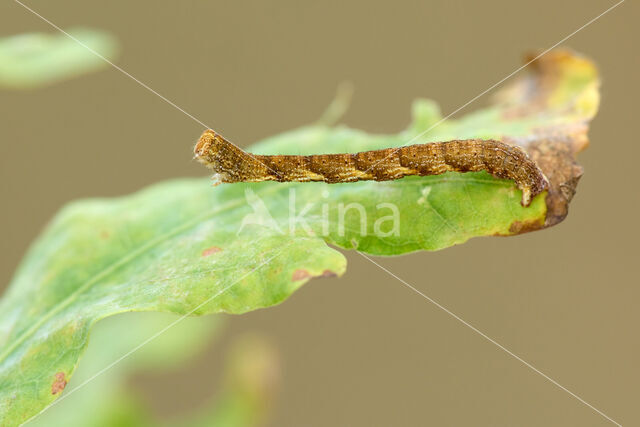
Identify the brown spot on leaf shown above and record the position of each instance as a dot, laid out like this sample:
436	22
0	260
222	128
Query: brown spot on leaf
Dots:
519	227
210	251
300	274
328	273
59	384
104	234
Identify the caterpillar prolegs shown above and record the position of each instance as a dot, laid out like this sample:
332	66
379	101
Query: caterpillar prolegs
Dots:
231	164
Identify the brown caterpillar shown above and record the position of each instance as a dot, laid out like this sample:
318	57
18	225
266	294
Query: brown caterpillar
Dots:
231	164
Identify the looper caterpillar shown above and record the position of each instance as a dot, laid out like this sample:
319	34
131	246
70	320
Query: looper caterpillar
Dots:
231	164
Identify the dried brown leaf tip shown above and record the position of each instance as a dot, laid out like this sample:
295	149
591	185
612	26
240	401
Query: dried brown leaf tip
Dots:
231	164
560	96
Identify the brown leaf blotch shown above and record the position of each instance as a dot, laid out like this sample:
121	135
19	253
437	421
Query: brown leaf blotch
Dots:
300	274
519	227
59	384
210	251
329	273
556	158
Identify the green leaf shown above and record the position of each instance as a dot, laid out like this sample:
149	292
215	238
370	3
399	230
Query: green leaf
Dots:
184	247
242	398
108	399
37	59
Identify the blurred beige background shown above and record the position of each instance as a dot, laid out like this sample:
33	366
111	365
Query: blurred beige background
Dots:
362	350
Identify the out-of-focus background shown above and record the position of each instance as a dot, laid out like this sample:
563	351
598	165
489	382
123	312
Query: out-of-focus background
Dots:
364	349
